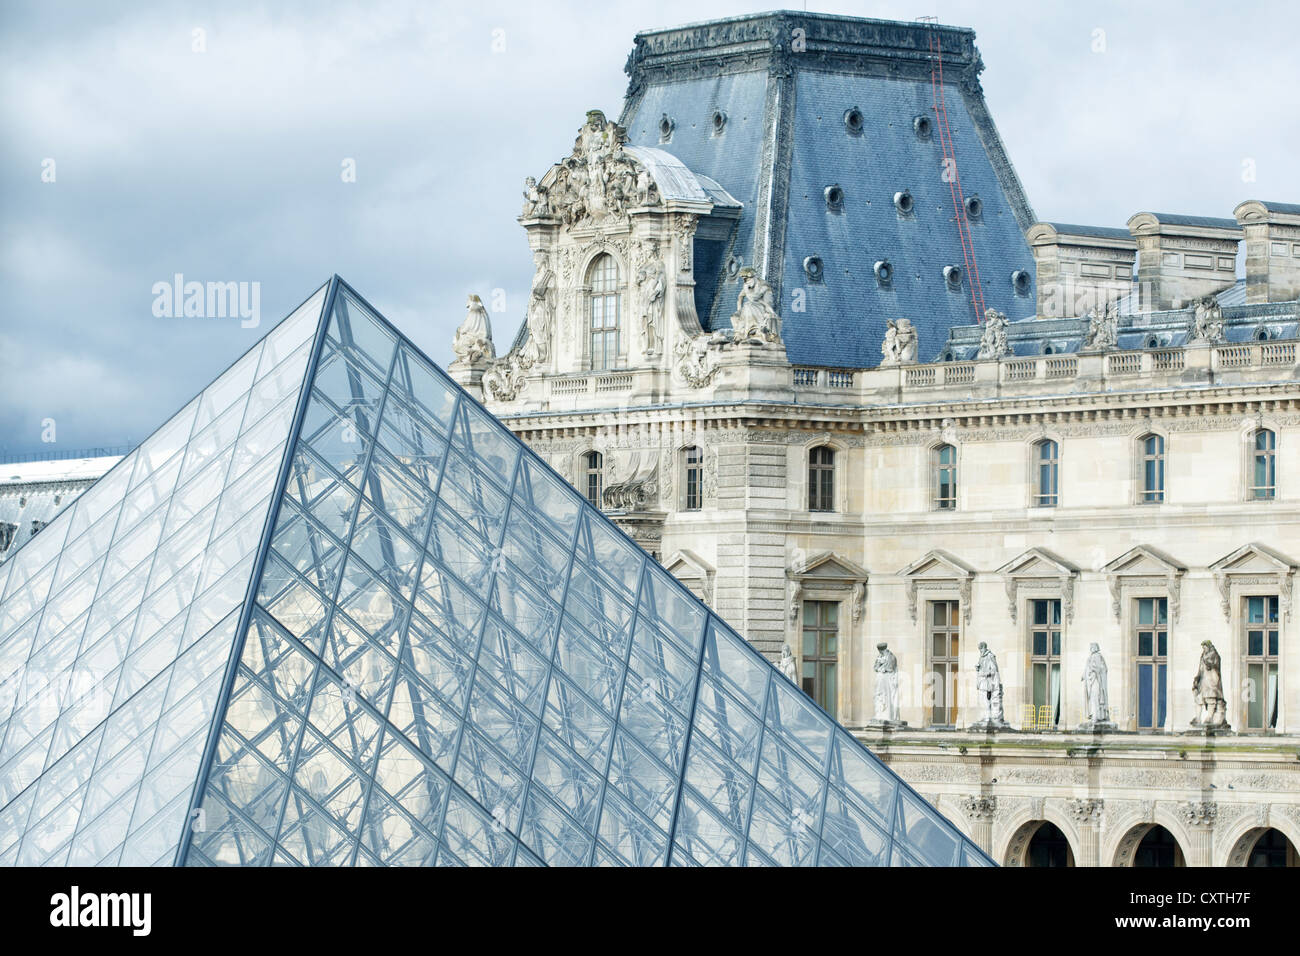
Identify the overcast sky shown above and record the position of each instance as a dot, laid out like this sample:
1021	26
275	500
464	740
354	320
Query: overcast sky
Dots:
225	164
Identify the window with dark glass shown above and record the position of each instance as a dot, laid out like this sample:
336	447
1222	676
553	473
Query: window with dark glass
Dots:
1261	624
593	477
1263	466
821	479
821	632
942	649
1152	639
605	307
694	484
1045	660
1046	473
945	477
1153	469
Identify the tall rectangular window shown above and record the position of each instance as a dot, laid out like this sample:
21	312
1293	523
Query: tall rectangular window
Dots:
1263	466
821	479
1045	660
945	477
944	637
1153	469
606	303
1151	629
1047	473
593	477
694	484
821	634
1261	625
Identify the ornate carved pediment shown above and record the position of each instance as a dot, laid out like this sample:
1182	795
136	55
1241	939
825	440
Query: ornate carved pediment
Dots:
1039	569
826	571
1254	564
598	182
1145	567
935	571
693	571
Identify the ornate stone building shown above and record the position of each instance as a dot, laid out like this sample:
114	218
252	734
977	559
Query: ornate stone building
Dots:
795	326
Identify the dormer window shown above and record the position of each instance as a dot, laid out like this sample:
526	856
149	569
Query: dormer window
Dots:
605	312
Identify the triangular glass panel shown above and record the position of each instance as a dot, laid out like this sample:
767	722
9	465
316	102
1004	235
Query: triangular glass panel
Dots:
335	613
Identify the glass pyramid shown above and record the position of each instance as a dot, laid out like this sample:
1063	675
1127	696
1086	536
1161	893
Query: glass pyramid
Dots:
335	613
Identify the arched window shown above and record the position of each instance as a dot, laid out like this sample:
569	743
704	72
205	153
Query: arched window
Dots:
693	484
821	478
1153	469
945	478
605	310
1047	461
593	467
1263	466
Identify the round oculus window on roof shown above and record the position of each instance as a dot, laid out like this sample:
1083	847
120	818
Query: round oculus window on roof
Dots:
733	266
922	126
666	126
974	207
1261	334
834	195
884	271
903	202
854	120
952	276
812	266
1151	343
719	120
1020	282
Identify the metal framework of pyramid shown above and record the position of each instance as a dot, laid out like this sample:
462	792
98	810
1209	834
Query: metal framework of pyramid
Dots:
335	613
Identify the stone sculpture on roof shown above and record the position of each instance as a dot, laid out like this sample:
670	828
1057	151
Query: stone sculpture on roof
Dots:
993	341
473	342
755	318
900	344
1207	321
1103	328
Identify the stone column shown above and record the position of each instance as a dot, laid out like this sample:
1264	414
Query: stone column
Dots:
1087	816
980	811
1200	818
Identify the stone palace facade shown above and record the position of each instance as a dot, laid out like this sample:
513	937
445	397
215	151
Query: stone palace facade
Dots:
752	339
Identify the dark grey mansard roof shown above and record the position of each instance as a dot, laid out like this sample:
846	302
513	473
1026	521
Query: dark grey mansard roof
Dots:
784	140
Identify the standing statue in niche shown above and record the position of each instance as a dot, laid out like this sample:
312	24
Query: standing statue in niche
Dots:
1207	321
886	694
993	340
1207	690
988	681
756	318
1096	698
473	341
900	344
541	313
787	665
652	283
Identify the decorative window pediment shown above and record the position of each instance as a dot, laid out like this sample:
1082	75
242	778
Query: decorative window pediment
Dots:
693	571
938	571
1254	565
1036	570
827	573
1144	567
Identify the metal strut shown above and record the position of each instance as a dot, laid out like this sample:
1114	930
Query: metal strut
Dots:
950	172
